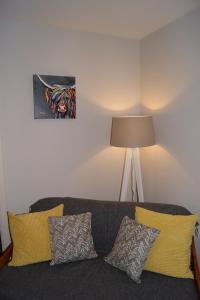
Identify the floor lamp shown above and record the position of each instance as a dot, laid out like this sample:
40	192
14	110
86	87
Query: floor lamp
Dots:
132	132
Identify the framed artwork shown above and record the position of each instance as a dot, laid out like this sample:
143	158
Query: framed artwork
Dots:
54	97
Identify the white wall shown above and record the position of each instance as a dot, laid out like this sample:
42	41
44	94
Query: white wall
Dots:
63	157
170	71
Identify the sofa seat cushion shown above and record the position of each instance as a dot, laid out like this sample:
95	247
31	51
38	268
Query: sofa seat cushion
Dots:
89	280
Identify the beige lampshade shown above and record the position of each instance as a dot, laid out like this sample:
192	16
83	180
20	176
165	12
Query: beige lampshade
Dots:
132	132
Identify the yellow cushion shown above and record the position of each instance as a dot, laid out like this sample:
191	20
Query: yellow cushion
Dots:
170	254
30	236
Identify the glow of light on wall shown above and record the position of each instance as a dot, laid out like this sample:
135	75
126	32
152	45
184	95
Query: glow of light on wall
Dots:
113	101
114	105
163	156
161	92
155	104
100	166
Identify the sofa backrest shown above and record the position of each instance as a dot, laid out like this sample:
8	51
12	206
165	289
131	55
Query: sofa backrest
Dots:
106	215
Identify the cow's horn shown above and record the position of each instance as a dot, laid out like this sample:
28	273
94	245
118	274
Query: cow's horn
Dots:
46	84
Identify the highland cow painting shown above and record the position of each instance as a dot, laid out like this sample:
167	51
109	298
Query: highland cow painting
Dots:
54	97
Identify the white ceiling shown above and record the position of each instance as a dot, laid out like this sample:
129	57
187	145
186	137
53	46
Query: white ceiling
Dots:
124	18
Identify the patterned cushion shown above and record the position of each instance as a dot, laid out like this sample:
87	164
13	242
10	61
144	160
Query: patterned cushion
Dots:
131	247
71	238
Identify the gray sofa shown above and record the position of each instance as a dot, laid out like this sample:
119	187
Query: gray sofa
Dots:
93	279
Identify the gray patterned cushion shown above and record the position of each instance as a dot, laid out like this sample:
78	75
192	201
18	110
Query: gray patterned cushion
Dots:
131	247
71	238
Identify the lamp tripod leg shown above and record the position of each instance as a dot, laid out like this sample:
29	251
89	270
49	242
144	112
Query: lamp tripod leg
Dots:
138	174
132	167
134	191
126	175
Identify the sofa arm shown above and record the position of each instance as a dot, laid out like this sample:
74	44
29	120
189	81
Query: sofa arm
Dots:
6	256
196	266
